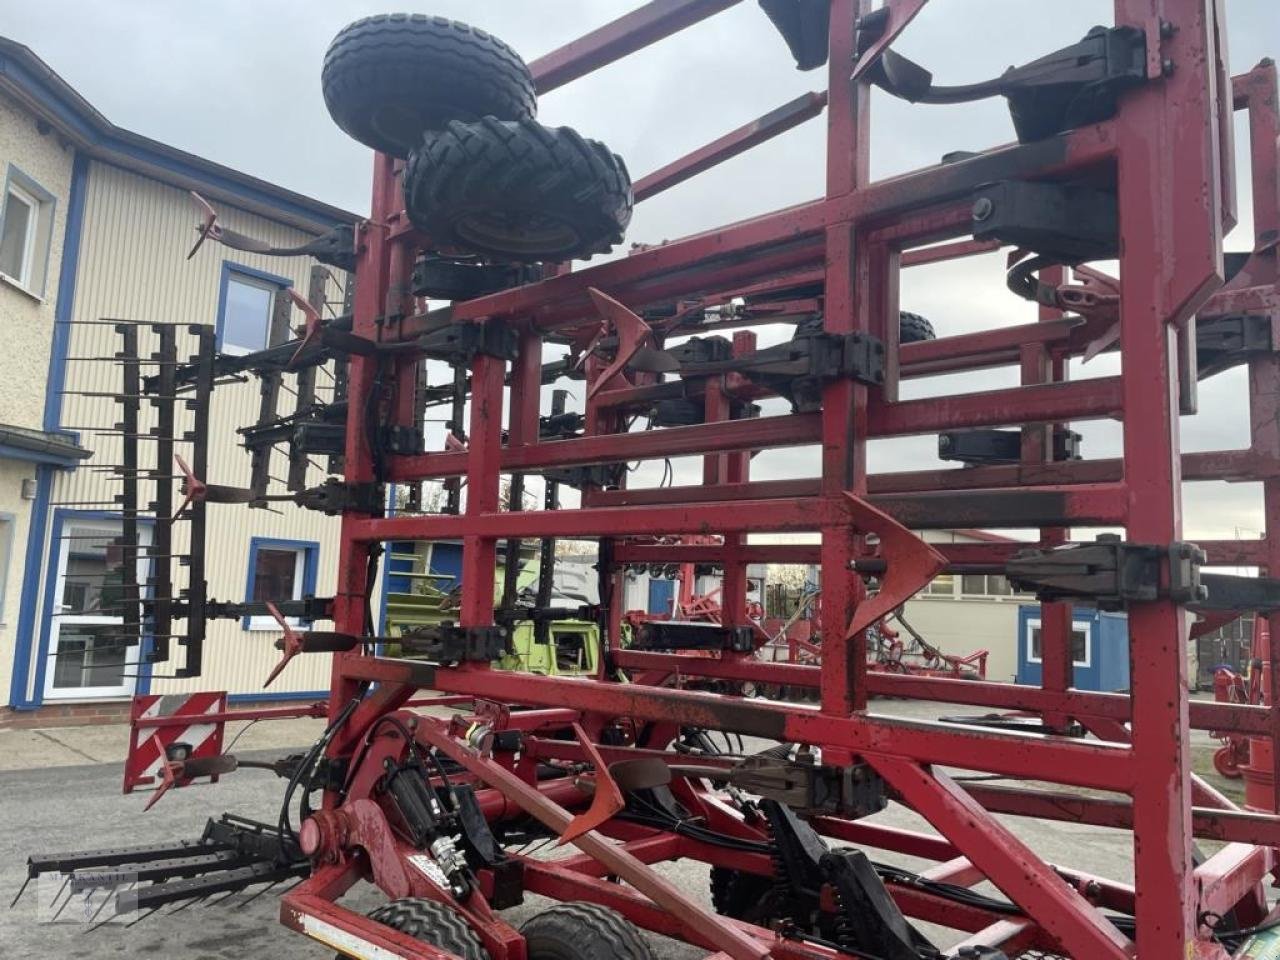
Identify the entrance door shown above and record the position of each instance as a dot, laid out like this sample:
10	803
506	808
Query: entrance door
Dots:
88	655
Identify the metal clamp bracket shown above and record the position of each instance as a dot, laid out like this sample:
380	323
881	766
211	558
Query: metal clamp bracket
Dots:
462	342
450	643
333	497
1113	573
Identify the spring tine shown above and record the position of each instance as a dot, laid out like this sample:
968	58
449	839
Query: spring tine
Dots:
101	924
21	891
183	905
120	358
103	393
107	897
230	894
141	918
134	436
108	322
65	883
269	886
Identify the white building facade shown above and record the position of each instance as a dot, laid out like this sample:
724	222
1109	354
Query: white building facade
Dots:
96	225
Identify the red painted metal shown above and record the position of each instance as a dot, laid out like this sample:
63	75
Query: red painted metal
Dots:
790	114
1166	151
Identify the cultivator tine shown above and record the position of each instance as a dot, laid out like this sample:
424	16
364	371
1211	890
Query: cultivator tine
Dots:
108	897
266	889
208	225
65	884
269	384
21	890
156	895
129	496
100	924
134	923
184	904
311	328
457	411
161	603
605	802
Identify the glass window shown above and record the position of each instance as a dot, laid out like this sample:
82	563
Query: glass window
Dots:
1079	645
6	551
246	314
17	235
943	585
94	579
92	653
277	573
26	225
986	585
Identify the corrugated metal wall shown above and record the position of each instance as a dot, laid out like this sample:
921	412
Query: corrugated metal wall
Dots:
132	266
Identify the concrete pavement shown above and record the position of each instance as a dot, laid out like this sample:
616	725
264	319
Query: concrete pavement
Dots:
108	743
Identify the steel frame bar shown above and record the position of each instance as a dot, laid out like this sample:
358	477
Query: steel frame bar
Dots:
1167	149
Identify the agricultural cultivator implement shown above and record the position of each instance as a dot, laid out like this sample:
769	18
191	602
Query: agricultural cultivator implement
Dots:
1124	153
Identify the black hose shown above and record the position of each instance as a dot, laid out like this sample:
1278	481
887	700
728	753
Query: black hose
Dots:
284	828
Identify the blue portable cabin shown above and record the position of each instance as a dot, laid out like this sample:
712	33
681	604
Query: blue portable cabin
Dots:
1100	648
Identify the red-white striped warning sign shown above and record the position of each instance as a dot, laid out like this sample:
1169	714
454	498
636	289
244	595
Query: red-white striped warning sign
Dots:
181	725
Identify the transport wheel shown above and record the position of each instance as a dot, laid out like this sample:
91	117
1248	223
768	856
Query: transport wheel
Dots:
912	328
583	931
388	79
432	923
742	896
516	190
1226	762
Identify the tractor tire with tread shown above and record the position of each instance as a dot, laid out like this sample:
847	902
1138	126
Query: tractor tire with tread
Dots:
583	931
388	79
432	923
516	190
913	328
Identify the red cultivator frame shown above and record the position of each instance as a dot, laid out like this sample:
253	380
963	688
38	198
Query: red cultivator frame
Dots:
589	759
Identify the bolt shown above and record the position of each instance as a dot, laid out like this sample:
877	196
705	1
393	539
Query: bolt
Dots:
1167	29
983	208
1166	67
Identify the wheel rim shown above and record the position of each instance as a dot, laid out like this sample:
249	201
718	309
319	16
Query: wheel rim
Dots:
517	231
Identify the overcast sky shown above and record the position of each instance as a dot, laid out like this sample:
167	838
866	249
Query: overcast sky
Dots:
237	81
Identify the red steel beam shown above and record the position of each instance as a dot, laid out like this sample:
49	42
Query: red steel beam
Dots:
1087	764
1026	879
631	32
564	298
781	431
1084	399
1227	826
775	122
662	892
1099	505
1204	714
1041	403
1232	465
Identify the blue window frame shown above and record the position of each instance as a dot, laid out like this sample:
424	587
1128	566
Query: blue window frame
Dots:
246	298
279	570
